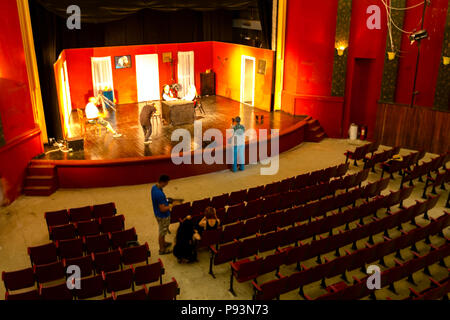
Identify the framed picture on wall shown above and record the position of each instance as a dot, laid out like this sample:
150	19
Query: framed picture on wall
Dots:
122	62
262	66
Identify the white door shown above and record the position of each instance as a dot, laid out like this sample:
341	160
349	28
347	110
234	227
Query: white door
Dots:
185	71
101	74
248	80
147	77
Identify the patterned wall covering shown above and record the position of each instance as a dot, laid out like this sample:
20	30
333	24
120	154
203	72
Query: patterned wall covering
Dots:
342	35
391	66
2	138
442	96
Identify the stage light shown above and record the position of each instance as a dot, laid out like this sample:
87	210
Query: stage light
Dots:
446	60
419	35
391	55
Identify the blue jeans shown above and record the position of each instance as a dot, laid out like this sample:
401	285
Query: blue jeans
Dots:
239	157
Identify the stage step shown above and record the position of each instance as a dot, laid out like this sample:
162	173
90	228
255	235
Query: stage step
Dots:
315	132
39	191
40	180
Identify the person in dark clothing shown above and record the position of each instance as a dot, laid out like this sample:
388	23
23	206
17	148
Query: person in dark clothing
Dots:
186	241
146	121
209	221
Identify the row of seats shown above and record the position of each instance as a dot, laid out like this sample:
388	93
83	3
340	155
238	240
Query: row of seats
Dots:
394	166
61	217
283	284
379	157
87	228
270	222
277	201
70	248
440	179
388	277
360	152
246	269
283	237
98	285
295	183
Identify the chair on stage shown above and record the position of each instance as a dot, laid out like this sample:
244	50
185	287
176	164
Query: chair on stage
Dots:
83	122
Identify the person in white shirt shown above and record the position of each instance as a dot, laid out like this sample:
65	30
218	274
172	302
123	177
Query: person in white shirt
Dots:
168	94
94	116
192	93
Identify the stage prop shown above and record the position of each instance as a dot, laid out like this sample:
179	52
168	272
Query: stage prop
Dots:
178	112
208	83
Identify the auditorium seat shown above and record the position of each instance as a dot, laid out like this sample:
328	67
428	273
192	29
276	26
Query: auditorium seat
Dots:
232	231
180	211
253	208
167	291
249	247
63	232
148	273
71	248
87	228
56	218
269	290
255	193
97	243
134	255
58	292
112	224
118	280
90	287
210	237
222	254
49	272
104	210
85	264
80	214
234	213
17	280
244	270
138	295
198	206
120	239
237	197
107	261
25	296
219	201
252	226
44	254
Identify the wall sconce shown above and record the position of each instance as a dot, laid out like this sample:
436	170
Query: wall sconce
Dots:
446	60
340	50
391	55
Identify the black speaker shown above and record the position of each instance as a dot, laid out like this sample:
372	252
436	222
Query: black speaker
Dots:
76	144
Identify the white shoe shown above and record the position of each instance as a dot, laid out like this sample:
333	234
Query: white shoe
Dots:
147	142
117	135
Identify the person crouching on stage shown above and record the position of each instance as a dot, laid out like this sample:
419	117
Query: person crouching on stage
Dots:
168	94
146	121
93	116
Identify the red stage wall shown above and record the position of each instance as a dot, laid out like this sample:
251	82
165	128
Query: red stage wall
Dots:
308	70
21	135
430	53
226	59
125	87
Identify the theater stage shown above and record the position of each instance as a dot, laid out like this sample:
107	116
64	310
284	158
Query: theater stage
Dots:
219	112
107	162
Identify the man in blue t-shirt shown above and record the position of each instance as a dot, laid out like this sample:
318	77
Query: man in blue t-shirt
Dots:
162	208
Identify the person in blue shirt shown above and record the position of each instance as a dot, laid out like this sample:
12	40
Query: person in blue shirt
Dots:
239	145
162	208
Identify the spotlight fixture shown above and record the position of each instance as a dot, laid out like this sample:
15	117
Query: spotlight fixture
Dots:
419	35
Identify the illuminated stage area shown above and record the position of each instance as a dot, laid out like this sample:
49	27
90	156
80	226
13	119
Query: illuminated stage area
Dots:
219	112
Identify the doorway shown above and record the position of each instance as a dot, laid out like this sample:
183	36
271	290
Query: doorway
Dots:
147	77
185	71
248	80
101	74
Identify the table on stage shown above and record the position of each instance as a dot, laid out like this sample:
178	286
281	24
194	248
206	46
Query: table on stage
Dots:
178	112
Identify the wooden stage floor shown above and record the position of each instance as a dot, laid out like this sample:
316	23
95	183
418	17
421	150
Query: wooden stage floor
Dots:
219	112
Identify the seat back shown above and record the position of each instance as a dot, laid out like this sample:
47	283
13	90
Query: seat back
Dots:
112	224
148	273
210	237
90	287
17	280
58	292
167	291
104	210
227	252
71	248
138	295
271	289
97	243
56	218
85	264
121	238
232	231
80	214
44	254
107	261
88	228
49	272
135	255
63	232
118	280
249	247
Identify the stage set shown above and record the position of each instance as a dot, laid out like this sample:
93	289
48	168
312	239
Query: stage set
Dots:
231	80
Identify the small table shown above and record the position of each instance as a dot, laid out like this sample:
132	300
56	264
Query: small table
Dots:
178	112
